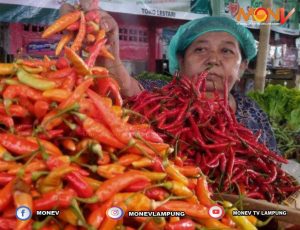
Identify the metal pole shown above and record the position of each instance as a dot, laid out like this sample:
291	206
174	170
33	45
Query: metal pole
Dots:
261	63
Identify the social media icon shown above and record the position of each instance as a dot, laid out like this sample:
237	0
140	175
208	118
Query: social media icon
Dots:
23	213
115	213
216	211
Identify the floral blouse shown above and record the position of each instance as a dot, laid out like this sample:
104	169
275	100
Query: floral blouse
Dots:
248	114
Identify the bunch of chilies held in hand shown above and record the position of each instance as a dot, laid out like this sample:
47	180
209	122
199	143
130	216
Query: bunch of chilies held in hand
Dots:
55	127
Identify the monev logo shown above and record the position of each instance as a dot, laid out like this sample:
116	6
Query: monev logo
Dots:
260	14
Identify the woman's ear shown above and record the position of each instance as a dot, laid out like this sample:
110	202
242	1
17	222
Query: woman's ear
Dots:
180	61
243	67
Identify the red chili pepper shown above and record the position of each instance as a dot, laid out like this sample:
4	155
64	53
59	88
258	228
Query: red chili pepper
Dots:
62	73
77	94
14	110
13	91
95	50
6	195
116	125
157	193
184	224
76	181
93	15
7	121
40	108
96	217
55	199
17	144
74	26
5	178
107	86
8	223
62	63
69	82
138	186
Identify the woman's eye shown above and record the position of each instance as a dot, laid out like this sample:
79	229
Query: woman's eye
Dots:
227	51
200	49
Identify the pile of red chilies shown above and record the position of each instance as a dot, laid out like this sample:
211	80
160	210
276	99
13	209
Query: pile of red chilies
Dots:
205	132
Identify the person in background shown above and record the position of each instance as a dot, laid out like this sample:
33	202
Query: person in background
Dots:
216	42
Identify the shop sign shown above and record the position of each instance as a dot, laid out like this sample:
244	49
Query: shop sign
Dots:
264	14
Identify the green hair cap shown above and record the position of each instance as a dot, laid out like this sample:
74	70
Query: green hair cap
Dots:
191	30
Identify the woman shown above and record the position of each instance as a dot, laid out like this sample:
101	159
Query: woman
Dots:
215	42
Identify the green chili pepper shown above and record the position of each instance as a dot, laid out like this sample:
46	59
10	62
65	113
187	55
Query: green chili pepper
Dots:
33	81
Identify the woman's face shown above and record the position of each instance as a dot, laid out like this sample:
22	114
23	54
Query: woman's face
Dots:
219	49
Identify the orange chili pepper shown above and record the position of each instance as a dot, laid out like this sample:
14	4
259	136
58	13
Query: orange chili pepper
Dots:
53	180
92	182
153	176
116	125
22	199
68	215
110	170
105	159
35	70
90	38
36	63
110	223
63	41
105	53
99	71
69	144
7	68
81	33
178	188
189	170
78	63
8	165
196	211
128	159
113	185
213	223
101	34
174	173
61	23
33	166
202	192
100	133
58	95
50	148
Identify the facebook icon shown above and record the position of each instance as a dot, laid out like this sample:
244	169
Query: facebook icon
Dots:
23	213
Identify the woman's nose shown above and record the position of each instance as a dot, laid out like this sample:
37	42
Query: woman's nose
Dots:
213	59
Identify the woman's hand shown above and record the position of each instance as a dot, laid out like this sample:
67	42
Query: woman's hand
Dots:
129	86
